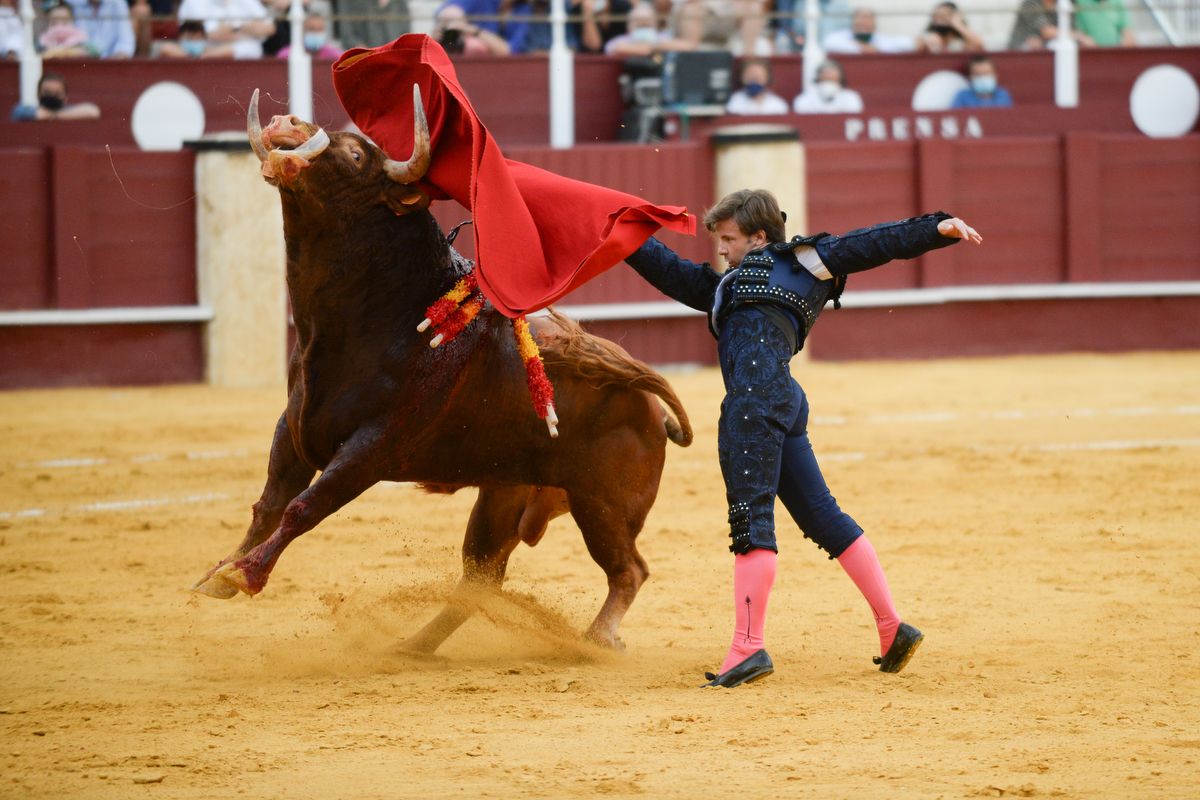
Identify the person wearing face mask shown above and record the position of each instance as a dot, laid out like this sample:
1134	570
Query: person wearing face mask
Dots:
235	28
863	37
755	97
316	39
828	93
984	91
643	37
192	42
53	105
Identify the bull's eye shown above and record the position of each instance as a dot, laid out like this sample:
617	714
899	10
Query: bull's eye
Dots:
357	156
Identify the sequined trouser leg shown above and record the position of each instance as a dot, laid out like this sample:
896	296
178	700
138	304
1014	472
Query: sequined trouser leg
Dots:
763	444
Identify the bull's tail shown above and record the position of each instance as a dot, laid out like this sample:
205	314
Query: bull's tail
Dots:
602	363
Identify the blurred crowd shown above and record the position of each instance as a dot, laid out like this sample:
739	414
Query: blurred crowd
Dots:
260	28
627	29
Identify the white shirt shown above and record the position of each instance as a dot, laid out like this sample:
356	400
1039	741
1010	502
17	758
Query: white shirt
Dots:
767	102
215	13
614	43
10	31
843	42
846	101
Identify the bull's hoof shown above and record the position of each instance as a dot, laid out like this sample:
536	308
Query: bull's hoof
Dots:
214	586
422	650
226	581
607	640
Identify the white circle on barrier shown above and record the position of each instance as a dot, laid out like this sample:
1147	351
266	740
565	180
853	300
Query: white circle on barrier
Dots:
166	115
937	89
1164	102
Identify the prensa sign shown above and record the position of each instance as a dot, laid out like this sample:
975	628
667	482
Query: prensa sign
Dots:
919	126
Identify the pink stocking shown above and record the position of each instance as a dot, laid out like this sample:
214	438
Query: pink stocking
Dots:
753	574
862	565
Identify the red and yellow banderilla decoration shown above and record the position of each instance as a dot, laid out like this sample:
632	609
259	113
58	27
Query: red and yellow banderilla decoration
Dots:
456	309
453	311
540	389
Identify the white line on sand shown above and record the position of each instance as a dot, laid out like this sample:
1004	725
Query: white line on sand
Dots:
118	505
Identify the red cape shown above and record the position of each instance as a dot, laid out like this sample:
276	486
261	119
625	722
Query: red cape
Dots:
537	235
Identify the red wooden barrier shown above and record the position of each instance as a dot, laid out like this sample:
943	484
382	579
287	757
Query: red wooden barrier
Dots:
1008	328
25	198
851	185
92	228
100	355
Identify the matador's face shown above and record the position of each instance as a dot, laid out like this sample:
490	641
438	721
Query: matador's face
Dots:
732	244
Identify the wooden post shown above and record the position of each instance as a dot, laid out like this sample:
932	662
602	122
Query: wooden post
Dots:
240	267
767	157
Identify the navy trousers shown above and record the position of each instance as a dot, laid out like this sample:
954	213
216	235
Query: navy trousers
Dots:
762	442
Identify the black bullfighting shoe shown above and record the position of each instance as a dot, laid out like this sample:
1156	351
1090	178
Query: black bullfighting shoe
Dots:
907	640
758	665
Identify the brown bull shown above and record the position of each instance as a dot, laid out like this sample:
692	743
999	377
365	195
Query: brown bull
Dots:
369	400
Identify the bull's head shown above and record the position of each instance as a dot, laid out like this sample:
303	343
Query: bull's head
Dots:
291	149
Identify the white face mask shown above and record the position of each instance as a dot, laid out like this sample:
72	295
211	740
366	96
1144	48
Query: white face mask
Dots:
644	35
828	89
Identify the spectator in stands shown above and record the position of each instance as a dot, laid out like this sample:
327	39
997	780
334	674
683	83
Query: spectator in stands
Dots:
505	18
1105	22
281	12
984	91
460	36
528	29
948	32
755	96
862	37
107	25
737	25
52	103
370	23
281	37
11	37
235	27
828	93
1036	27
316	39
191	42
644	37
153	22
791	25
62	37
601	21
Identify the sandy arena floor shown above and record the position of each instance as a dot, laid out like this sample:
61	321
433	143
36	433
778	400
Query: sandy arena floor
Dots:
1037	516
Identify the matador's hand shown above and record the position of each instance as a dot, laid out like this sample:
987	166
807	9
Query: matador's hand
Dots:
955	228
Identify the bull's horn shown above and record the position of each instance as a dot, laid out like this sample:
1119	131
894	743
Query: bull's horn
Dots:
414	169
254	128
313	146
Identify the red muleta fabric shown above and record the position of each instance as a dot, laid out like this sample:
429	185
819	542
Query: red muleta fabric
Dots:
537	235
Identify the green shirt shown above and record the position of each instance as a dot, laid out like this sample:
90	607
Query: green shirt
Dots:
1103	20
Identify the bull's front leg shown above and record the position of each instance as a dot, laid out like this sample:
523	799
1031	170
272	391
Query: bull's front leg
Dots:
352	471
287	476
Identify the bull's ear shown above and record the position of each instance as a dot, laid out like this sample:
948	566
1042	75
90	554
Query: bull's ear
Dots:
405	198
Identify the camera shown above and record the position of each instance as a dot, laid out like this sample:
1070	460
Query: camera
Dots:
452	40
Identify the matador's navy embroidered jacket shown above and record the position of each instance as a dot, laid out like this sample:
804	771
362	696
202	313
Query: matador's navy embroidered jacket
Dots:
792	279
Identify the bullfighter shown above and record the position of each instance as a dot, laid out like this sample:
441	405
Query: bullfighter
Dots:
761	310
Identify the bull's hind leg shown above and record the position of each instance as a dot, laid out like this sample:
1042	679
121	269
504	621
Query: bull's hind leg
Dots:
502	516
610	523
287	476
